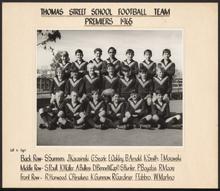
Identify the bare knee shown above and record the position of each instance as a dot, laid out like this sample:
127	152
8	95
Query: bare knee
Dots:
155	117
60	114
148	117
41	110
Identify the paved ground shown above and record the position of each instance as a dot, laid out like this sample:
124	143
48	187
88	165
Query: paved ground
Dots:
113	137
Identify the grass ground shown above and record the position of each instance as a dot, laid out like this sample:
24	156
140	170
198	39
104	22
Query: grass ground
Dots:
113	137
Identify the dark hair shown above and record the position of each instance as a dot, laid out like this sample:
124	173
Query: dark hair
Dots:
116	93
65	53
149	51
125	68
167	51
59	68
159	65
160	68
158	92
74	69
94	91
134	91
79	51
143	70
110	65
112	48
130	51
98	50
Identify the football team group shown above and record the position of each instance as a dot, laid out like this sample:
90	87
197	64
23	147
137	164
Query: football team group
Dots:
110	93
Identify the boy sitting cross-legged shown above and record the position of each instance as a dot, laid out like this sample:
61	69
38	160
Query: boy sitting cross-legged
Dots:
49	114
163	113
134	110
115	112
96	112
73	115
150	118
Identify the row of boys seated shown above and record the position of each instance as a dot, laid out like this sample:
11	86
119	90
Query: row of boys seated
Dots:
110	100
118	113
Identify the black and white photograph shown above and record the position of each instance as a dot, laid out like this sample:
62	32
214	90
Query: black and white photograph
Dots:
110	95
109	87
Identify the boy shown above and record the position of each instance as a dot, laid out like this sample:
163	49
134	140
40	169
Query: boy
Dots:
58	83
75	83
91	80
126	83
111	60
148	64
110	82
150	118
132	64
163	112
96	112
144	83
116	111
162	83
97	61
62	60
168	65
80	63
49	114
73	115
134	110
